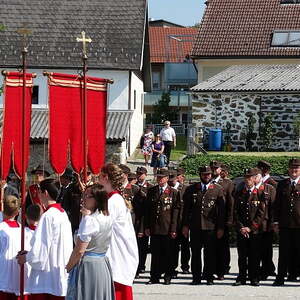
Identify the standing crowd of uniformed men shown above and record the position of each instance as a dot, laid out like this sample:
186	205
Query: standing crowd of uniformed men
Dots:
200	216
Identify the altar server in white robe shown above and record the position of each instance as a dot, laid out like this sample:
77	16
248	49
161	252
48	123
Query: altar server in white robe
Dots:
123	251
51	248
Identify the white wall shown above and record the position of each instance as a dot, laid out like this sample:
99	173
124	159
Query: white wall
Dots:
118	91
137	121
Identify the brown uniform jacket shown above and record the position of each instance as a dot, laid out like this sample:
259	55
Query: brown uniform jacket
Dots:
129	192
287	205
181	190
228	190
139	205
161	216
250	210
204	210
271	181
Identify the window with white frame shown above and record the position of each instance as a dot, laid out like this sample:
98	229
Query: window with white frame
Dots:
286	38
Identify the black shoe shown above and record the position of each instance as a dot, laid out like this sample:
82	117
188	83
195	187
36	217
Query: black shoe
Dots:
174	275
292	278
185	272
137	276
195	282
167	281
254	283
239	282
278	282
142	271
220	277
209	282
153	282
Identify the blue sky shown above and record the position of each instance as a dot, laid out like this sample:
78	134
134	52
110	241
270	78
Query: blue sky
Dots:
183	12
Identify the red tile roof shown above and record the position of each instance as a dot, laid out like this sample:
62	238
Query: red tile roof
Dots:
170	44
243	28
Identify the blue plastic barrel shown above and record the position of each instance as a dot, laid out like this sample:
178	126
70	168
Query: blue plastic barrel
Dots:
215	139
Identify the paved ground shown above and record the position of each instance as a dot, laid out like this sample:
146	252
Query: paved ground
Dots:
181	290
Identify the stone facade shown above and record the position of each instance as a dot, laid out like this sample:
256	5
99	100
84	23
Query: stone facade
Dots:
115	152
216	110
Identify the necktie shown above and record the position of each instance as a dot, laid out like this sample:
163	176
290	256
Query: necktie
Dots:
293	186
204	188
161	190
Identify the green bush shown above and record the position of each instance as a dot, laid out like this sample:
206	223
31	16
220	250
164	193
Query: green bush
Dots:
236	163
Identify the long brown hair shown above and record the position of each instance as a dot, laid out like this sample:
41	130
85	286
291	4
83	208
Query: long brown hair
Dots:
116	179
100	196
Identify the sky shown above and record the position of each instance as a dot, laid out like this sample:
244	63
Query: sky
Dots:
182	12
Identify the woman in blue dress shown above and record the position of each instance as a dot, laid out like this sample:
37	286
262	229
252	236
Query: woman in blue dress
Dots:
157	160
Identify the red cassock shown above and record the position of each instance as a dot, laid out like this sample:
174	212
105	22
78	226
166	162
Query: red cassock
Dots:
123	292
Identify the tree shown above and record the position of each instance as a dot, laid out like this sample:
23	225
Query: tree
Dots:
267	132
163	111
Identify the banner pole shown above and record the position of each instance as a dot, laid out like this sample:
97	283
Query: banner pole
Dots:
23	179
84	40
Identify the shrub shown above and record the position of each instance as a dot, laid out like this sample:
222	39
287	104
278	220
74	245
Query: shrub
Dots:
236	163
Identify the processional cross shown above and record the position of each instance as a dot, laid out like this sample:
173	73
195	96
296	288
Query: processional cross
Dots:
84	40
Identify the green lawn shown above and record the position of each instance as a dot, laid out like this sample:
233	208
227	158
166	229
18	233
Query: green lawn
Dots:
176	153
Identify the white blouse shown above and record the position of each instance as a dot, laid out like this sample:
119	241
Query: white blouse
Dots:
96	230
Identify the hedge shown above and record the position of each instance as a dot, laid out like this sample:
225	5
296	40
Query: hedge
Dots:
236	163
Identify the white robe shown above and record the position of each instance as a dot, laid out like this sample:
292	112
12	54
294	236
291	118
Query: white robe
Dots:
10	245
123	250
51	249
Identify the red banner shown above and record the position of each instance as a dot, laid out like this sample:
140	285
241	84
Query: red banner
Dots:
12	137
66	121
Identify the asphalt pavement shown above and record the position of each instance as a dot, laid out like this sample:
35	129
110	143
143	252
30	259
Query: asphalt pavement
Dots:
179	289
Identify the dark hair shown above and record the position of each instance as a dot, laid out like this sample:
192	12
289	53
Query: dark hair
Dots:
50	186
100	196
33	212
126	170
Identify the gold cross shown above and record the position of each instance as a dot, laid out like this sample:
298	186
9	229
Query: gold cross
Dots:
25	32
84	40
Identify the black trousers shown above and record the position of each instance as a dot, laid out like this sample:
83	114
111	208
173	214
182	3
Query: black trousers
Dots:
167	150
267	266
248	256
161	256
143	250
181	243
289	242
205	239
223	254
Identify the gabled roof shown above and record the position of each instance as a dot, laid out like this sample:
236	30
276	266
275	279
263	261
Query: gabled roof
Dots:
170	44
253	78
163	23
241	28
117	29
117	126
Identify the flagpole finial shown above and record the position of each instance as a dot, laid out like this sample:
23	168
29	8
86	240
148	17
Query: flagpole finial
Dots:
25	32
84	40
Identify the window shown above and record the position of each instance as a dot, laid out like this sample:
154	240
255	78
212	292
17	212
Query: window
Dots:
35	94
289	1
156	79
286	38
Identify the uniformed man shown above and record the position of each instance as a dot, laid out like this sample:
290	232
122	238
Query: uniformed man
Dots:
223	248
140	210
181	243
39	174
286	217
266	259
249	217
203	216
161	223
70	197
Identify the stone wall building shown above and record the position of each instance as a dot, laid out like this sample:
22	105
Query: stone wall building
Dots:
242	92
